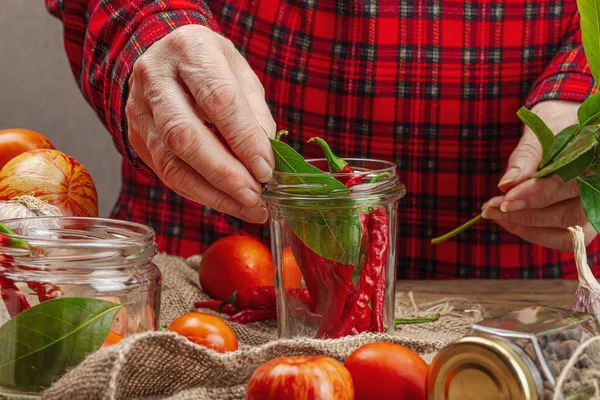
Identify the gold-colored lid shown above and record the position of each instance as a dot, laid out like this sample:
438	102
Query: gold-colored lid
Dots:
482	368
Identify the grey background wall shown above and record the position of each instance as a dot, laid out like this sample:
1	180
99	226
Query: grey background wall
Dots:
38	91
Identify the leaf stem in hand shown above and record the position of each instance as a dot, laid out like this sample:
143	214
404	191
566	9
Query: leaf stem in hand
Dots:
456	231
406	321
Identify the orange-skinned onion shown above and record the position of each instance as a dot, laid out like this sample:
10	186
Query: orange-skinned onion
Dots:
51	176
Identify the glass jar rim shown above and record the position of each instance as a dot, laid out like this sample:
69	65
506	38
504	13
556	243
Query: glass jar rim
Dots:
145	232
96	241
290	186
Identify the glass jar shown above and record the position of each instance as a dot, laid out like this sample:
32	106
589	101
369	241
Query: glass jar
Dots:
516	356
343	240
69	287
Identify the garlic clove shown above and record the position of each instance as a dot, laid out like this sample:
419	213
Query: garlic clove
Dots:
587	296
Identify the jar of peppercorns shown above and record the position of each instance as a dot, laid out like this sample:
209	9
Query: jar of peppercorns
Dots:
339	230
70	286
519	356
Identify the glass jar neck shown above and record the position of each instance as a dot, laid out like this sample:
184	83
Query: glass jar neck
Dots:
79	243
371	181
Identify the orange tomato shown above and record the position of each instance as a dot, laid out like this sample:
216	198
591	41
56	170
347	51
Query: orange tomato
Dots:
51	176
301	377
206	330
112	338
234	263
292	277
387	371
14	142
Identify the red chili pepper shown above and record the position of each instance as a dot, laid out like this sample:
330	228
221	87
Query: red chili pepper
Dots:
307	263
336	280
373	268
254	298
347	169
302	296
377	302
214	305
4	240
247	316
364	322
45	291
355	180
13	299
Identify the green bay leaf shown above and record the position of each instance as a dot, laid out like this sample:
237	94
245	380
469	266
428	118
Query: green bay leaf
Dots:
589	10
332	233
41	343
589	189
581	144
563	136
578	166
541	130
313	181
588	112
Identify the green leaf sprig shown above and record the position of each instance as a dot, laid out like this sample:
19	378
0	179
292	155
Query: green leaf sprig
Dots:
332	234
574	151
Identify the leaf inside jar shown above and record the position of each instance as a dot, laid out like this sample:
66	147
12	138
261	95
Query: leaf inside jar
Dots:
332	233
41	343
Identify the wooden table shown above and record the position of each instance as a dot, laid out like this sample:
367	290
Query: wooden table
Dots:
496	296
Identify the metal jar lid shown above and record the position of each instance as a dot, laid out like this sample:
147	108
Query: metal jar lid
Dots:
483	368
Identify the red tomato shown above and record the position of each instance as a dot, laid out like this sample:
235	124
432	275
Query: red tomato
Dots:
291	273
234	263
301	377
206	330
387	371
51	176
112	338
14	142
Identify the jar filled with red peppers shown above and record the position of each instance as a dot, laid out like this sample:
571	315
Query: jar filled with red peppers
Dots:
340	228
70	286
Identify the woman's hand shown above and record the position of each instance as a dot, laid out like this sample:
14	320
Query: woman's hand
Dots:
539	210
190	76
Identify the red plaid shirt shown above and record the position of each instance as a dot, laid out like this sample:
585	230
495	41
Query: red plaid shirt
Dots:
433	85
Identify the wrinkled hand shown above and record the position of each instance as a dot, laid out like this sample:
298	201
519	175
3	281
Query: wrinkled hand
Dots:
539	210
190	76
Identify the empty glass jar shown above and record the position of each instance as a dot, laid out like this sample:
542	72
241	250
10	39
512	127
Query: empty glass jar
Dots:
70	286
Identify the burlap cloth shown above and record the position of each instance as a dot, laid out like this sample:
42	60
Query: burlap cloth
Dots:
162	365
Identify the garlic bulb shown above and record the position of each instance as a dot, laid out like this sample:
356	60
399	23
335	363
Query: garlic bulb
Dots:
27	207
587	296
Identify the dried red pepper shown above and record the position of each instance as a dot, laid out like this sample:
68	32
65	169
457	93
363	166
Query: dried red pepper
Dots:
249	315
336	280
363	323
307	262
302	296
372	270
381	248
45	291
254	298
13	299
377	302
215	305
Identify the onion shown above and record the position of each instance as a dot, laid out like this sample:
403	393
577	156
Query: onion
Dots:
28	207
51	176
587	296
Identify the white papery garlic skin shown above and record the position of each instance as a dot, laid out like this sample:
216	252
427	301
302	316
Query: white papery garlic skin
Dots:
28	207
587	296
